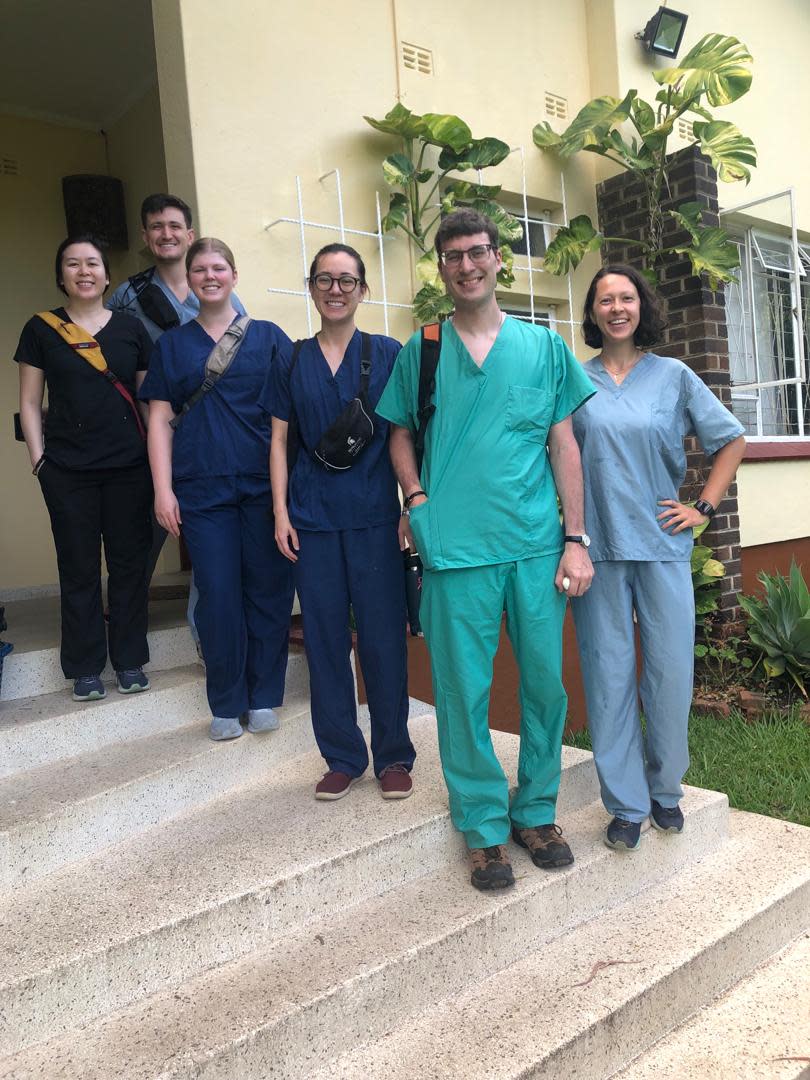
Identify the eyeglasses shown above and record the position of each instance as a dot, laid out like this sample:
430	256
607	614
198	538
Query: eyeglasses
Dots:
346	283
477	254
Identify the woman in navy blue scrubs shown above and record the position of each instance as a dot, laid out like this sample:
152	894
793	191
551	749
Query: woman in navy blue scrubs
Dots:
340	531
211	477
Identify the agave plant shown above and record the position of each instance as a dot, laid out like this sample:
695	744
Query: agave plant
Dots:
714	72
434	146
779	625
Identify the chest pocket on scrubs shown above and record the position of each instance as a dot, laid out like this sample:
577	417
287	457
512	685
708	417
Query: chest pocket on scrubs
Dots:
528	409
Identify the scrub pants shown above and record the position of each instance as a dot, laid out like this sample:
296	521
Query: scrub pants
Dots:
245	590
362	568
461	617
633	769
86	506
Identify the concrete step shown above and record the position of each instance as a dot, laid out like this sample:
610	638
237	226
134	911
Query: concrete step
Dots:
211	886
288	1008
758	1030
37	670
70	809
40	730
587	1003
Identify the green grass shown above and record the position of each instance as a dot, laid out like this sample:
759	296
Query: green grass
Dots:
763	767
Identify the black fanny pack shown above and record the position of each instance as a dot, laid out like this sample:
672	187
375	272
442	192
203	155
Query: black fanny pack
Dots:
155	304
348	436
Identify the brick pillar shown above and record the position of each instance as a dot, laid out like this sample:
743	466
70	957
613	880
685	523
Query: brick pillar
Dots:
697	332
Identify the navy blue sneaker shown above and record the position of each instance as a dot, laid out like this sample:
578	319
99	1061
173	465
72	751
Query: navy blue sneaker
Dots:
666	818
88	688
132	682
623	835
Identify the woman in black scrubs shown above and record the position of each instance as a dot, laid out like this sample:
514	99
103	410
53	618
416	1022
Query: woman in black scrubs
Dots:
90	459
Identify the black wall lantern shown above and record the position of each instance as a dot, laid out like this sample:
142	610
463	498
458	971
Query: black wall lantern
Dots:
663	34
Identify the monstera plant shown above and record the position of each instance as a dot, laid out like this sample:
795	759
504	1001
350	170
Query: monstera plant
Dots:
425	185
634	134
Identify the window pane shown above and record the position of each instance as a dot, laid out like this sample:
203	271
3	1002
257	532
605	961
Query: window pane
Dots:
537	236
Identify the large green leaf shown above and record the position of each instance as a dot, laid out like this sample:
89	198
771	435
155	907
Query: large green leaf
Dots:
712	253
466	189
643	116
730	151
399	121
506	274
636	158
688	215
571	244
478	154
444	129
544	136
509	227
397	215
427	268
399	170
591	124
716	66
678	101
431	303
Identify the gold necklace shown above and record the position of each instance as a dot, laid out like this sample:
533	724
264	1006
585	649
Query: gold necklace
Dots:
619	376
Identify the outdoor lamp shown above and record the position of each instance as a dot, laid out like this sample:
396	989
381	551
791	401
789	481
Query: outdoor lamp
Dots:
663	34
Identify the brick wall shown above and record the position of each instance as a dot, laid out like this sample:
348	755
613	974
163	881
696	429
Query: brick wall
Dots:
697	332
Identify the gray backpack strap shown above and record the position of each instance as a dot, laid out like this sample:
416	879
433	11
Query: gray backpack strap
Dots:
220	359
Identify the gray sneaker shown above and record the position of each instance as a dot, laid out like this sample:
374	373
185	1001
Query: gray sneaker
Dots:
261	720
225	727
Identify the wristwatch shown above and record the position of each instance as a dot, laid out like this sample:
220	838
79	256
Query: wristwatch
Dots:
584	539
705	508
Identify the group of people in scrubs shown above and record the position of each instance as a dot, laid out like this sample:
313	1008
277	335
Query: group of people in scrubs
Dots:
519	424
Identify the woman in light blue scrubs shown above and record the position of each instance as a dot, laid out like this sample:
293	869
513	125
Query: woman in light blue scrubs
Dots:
339	529
631	438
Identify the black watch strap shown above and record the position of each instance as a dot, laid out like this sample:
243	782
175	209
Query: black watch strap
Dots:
705	508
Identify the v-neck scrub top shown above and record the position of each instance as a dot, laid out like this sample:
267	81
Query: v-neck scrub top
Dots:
631	441
364	495
491	491
227	433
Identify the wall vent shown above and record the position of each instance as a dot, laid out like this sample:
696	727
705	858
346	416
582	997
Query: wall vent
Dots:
415	58
685	130
556	106
9	166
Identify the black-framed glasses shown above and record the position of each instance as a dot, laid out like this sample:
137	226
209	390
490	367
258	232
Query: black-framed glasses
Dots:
346	283
478	254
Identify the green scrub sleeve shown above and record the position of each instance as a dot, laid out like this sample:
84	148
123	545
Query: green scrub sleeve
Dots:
400	398
573	385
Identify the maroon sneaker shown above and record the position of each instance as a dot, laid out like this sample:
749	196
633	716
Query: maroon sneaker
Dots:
395	782
334	785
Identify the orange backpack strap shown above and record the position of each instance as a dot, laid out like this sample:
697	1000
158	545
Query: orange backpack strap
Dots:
90	350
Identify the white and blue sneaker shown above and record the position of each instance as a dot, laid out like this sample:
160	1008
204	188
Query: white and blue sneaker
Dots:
132	682
666	818
88	688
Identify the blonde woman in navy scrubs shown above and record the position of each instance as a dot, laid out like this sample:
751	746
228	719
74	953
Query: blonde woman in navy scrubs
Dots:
631	438
340	531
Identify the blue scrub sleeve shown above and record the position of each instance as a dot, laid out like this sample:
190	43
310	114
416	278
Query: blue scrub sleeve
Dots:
155	386
573	385
711	421
400	399
275	399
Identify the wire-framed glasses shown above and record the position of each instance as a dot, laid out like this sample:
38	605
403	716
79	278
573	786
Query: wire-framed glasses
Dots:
346	283
478	254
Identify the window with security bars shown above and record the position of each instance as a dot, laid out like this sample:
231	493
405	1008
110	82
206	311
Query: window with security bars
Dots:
768	310
538	238
545	316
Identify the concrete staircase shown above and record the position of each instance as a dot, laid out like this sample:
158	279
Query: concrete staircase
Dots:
171	907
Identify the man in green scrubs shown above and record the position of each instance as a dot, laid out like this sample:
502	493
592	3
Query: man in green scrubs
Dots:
498	450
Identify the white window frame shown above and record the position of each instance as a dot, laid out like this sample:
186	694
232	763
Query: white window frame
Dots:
543	315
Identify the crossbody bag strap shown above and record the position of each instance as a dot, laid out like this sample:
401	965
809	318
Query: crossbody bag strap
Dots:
219	360
431	347
365	363
90	350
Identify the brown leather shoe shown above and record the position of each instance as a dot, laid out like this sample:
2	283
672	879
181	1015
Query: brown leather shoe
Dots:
545	844
491	868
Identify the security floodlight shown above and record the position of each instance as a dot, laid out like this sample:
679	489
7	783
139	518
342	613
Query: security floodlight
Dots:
663	34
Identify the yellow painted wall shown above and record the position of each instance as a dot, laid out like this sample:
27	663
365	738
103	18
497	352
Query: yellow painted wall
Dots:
32	224
774	498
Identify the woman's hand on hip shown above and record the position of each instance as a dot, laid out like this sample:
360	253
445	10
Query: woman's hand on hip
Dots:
286	538
678	515
167	512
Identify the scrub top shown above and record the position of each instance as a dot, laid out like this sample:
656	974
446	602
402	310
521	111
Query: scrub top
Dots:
88	424
124	299
364	495
226	433
631	440
486	469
